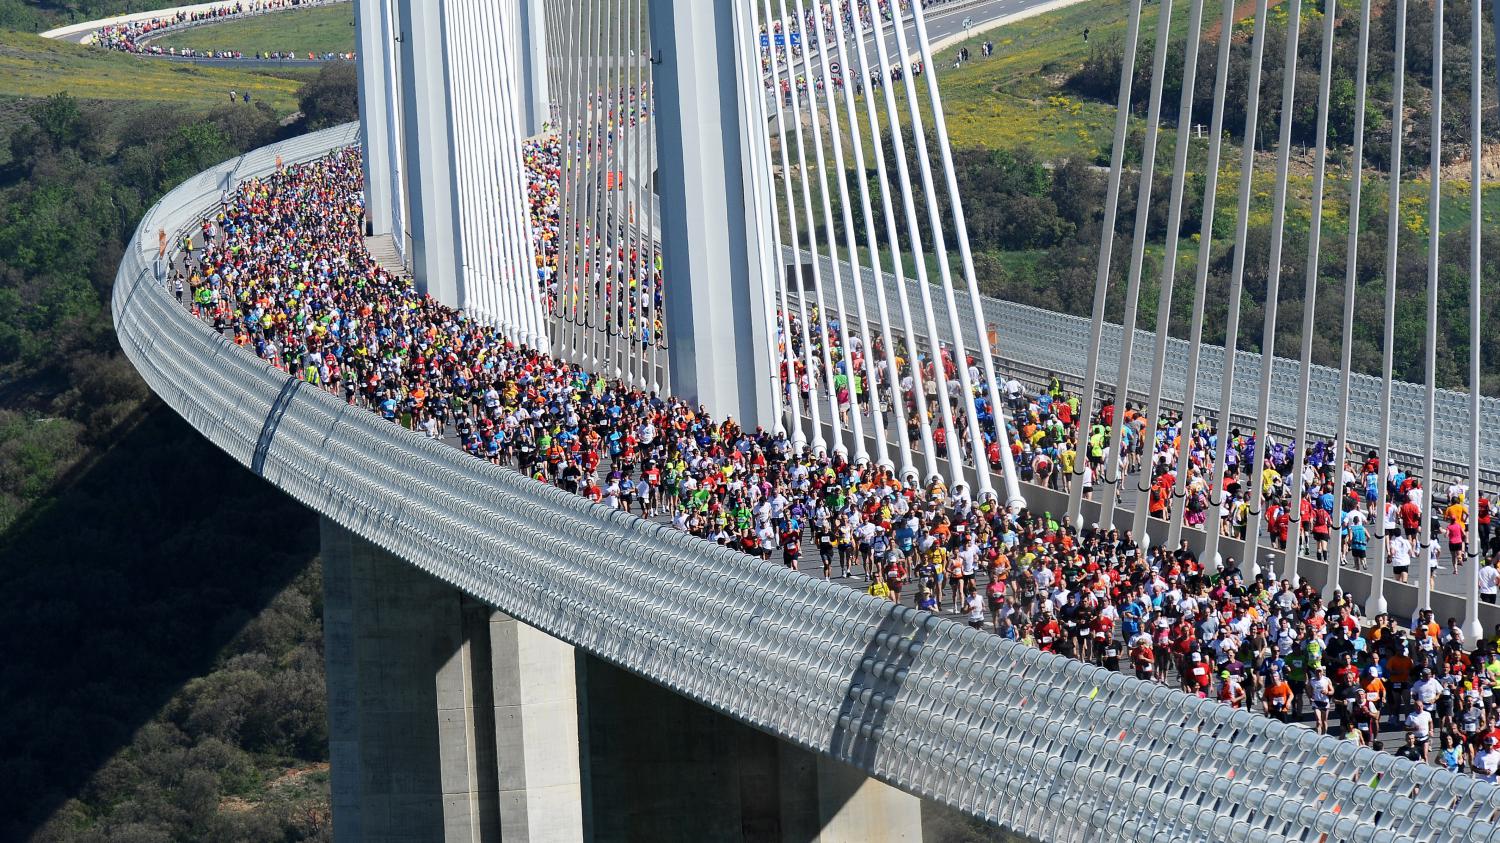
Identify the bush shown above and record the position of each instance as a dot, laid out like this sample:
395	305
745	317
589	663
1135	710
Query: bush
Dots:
331	98
1099	78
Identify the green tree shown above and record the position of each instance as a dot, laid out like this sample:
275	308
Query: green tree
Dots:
330	98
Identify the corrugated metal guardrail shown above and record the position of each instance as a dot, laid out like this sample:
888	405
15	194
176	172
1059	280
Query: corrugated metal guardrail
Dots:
1037	743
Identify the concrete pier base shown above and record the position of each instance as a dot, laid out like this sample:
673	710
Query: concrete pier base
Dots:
536	729
447	721
663	768
450	721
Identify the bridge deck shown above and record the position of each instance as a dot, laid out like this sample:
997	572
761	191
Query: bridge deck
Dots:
1041	744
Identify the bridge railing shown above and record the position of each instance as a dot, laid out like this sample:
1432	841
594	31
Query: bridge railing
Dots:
1004	732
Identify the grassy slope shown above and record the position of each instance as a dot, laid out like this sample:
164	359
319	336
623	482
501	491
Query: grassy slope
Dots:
1016	98
325	29
37	67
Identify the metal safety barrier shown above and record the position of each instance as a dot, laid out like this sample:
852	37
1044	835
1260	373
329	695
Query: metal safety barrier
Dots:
1043	745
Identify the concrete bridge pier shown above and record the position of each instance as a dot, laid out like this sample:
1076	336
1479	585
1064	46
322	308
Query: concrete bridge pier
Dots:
447	720
451	721
663	768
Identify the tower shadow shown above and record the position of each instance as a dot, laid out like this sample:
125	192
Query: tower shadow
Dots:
123	584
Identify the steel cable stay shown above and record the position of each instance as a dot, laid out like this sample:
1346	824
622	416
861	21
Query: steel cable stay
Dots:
881	389
888	384
395	170
494	213
614	187
1309	313
639	236
1376	602
554	78
563	43
556	85
809	224
1392	241
1114	468
500	218
1217	498
533	291
923	415
810	369
604	235
1010	477
657	273
772	281
511	193
1146	476
579	162
924	285
594	287
923	429
1257	498
1081	463
1434	239
467	234
851	370
565	284
534	280
1472	627
571	193
954	442
620	198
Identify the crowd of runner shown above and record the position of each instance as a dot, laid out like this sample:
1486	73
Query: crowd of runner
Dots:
282	269
136	37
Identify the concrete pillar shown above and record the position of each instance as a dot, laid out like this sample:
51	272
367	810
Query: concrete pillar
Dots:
408	752
535	96
663	768
711	233
853	806
374	134
466	732
426	138
536	734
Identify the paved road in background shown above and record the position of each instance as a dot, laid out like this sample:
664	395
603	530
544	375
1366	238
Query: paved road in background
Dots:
944	20
93	26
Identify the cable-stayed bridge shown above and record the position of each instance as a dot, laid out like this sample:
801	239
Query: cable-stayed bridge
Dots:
700	147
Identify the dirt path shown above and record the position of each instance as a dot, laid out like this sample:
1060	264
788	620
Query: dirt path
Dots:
1244	10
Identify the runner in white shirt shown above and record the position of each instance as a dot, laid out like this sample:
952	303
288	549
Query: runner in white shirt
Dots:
969	556
1419	723
1489	582
1487	761
1320	692
976	610
1400	551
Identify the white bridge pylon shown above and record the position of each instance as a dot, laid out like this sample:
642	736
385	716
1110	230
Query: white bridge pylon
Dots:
684	283
712	242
